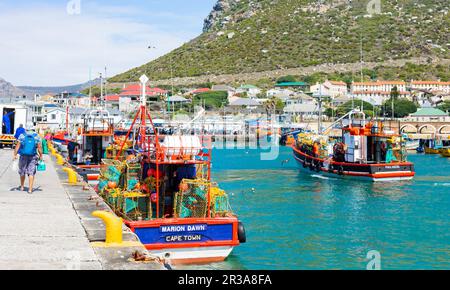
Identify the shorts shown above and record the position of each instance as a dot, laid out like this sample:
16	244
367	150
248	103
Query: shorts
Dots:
27	165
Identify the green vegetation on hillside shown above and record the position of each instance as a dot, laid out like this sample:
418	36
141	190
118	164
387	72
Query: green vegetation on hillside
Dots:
211	100
293	33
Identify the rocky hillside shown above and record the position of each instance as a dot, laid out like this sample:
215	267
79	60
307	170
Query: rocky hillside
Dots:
248	36
7	90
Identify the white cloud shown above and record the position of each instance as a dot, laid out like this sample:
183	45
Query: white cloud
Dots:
46	46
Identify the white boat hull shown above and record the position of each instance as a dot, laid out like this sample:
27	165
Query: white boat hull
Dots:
194	255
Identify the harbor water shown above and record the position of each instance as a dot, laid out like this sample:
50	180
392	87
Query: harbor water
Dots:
297	220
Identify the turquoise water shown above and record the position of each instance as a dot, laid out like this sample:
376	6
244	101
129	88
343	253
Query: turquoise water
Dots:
298	220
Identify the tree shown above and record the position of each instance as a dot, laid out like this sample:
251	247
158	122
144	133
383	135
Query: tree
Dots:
212	100
444	106
273	104
347	107
286	79
402	107
395	93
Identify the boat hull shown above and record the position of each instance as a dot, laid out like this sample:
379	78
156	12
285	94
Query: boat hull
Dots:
445	152
431	151
369	172
189	241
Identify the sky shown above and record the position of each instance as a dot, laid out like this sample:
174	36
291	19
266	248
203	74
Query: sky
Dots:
58	42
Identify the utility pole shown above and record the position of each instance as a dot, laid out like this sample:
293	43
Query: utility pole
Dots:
101	89
106	83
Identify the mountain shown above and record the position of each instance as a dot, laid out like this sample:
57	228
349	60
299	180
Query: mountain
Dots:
30	90
7	90
248	36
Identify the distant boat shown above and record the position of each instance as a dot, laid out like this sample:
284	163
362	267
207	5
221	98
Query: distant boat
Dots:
369	151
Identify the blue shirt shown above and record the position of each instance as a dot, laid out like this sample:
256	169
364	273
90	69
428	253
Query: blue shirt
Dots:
20	131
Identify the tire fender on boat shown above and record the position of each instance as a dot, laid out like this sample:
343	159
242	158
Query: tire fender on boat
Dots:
241	233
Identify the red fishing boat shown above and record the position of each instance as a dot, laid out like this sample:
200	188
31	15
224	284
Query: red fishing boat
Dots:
164	192
369	150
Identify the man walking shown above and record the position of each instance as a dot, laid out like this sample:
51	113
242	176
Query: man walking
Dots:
30	149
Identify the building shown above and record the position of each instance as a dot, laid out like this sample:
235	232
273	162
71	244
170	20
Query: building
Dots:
224	88
279	93
112	101
130	96
251	90
52	119
378	92
430	86
333	89
428	115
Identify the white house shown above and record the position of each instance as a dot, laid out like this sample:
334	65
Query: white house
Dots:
333	89
279	93
251	90
431	86
51	119
378	92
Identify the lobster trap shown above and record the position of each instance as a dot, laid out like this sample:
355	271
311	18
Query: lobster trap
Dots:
111	170
135	206
132	175
192	200
220	205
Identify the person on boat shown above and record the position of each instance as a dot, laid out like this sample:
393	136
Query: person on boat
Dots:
20	131
71	147
88	157
29	148
316	149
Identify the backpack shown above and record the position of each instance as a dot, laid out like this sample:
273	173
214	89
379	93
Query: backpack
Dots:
29	146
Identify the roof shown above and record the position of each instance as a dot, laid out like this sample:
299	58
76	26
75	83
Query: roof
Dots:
200	90
177	99
292	84
136	90
337	83
301	108
112	98
429	112
245	102
430	83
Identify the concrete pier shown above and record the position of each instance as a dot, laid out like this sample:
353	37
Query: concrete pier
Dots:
42	230
53	228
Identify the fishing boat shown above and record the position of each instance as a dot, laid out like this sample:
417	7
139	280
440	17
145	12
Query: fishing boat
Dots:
92	135
445	152
162	188
433	146
369	150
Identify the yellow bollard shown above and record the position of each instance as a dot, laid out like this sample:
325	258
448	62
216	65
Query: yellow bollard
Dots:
113	227
73	178
59	159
